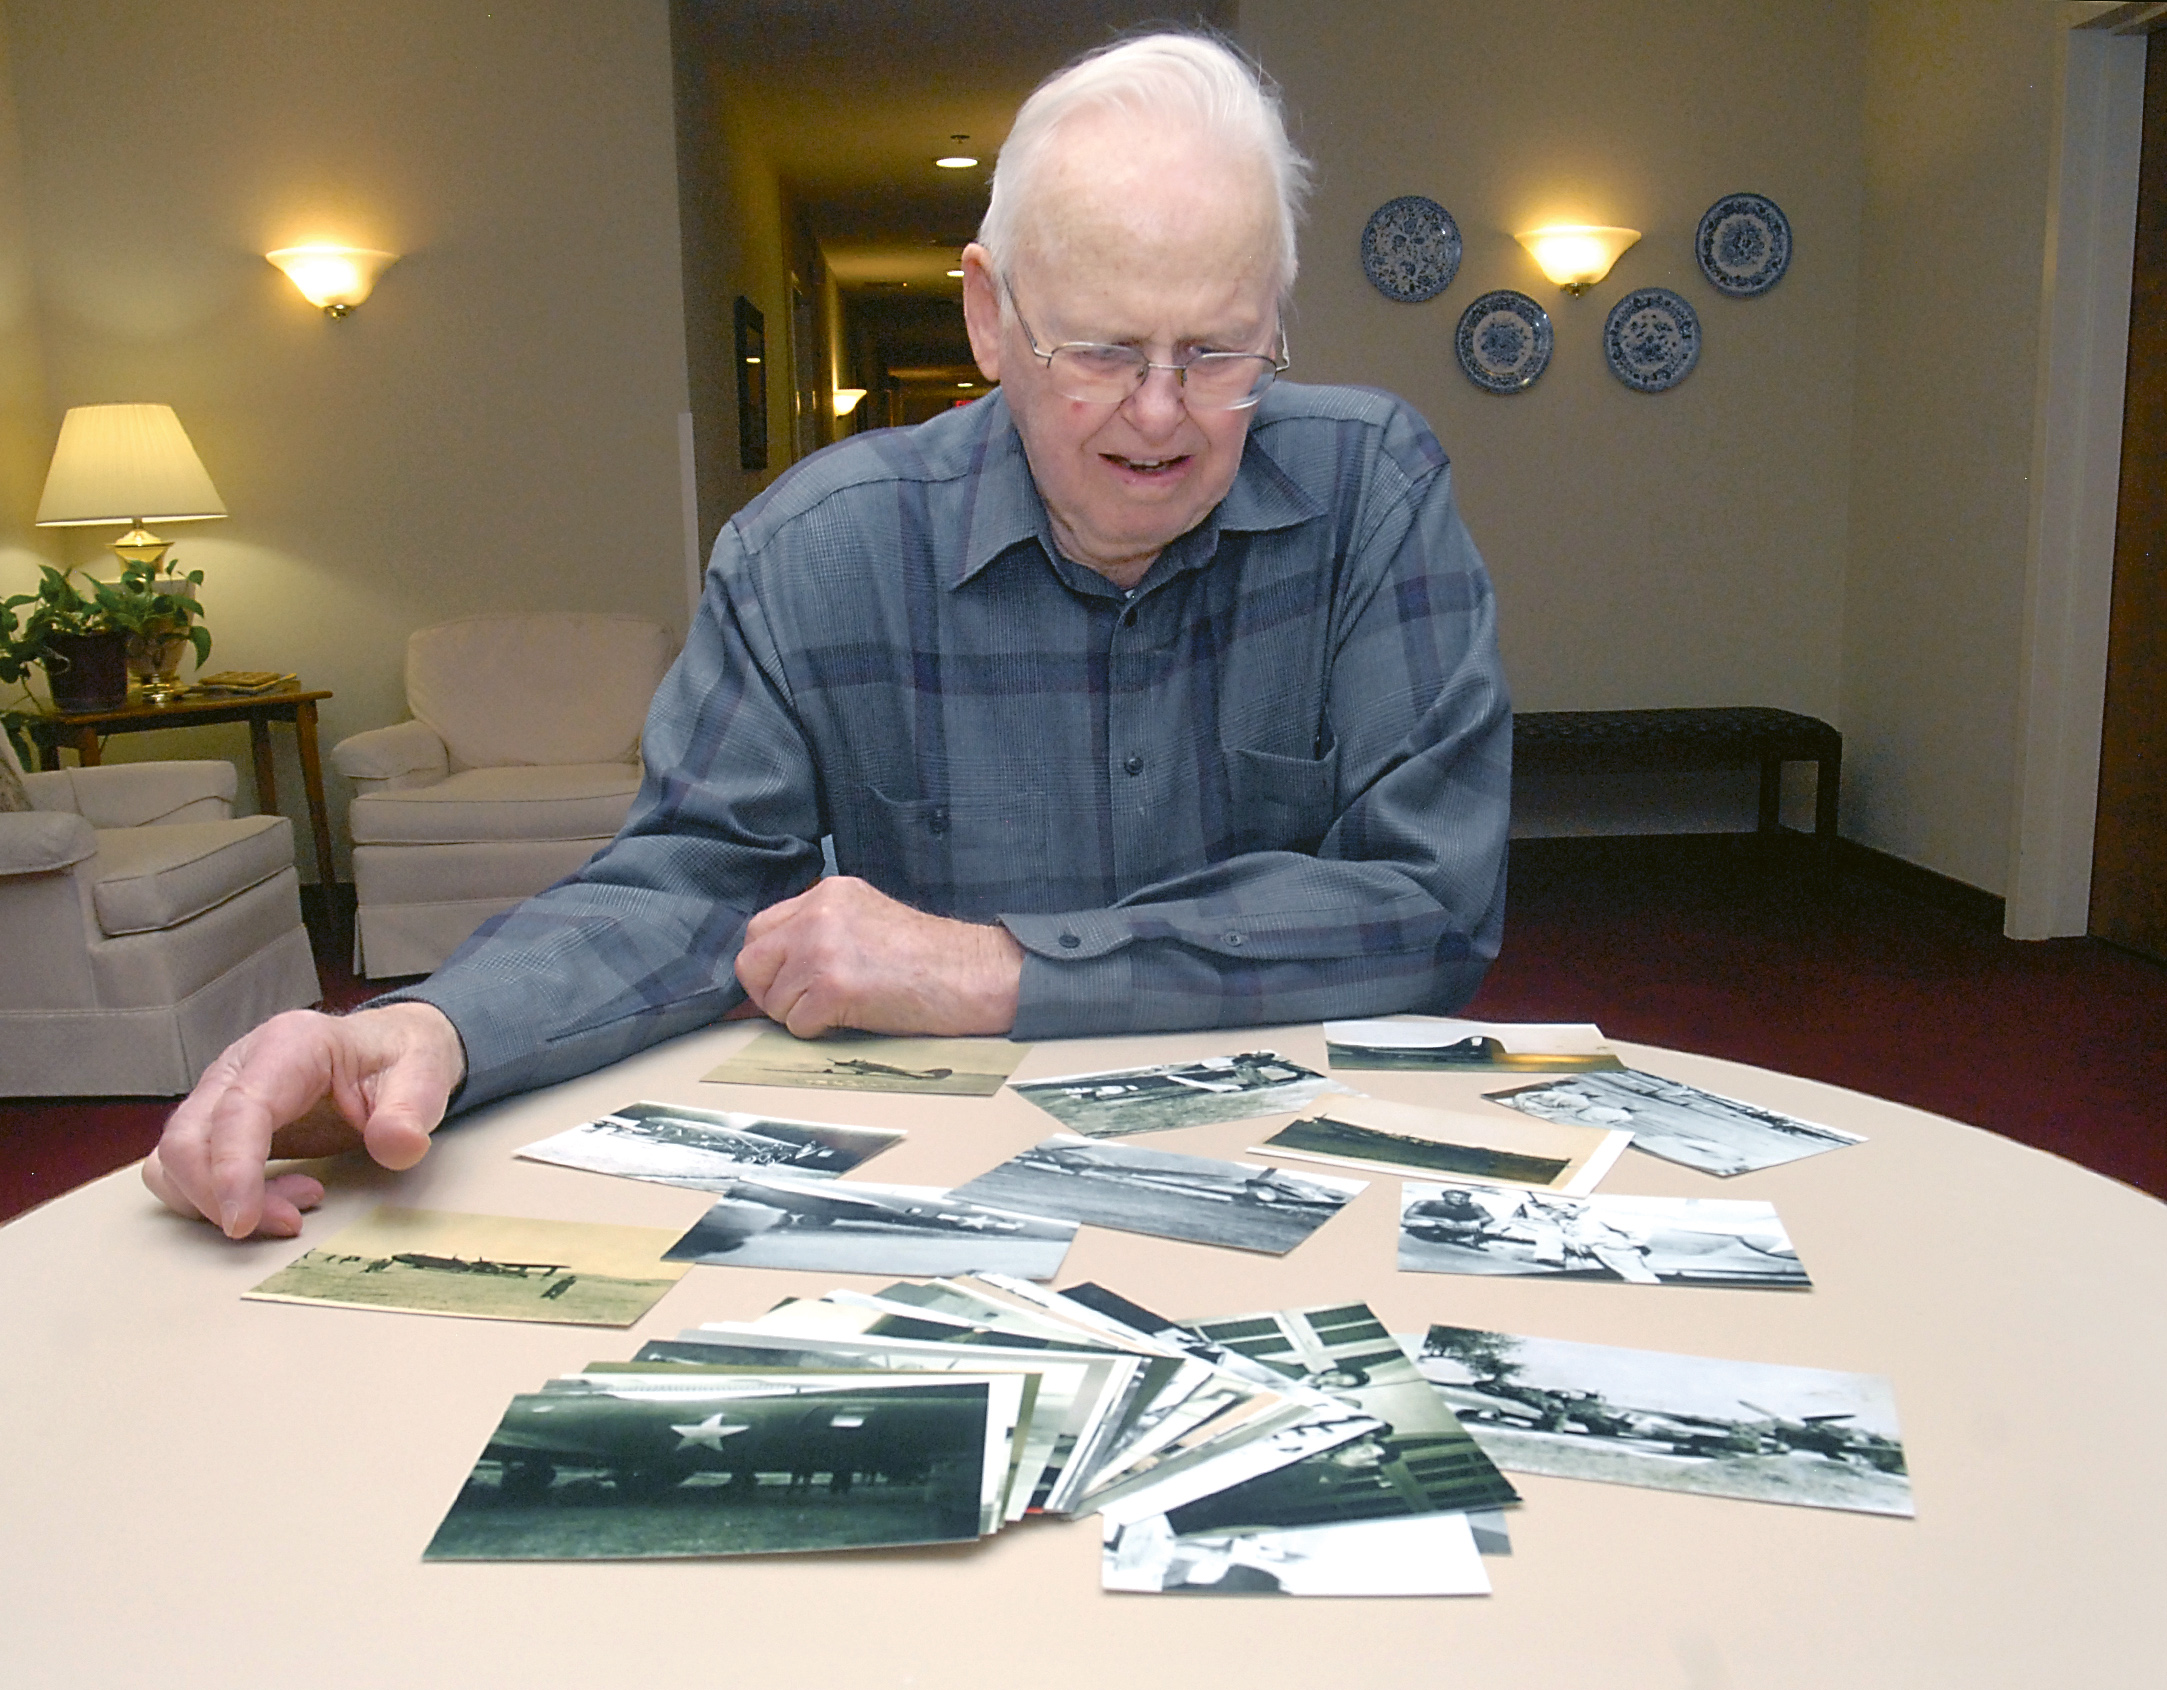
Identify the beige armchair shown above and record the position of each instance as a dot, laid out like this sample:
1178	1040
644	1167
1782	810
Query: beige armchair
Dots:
143	928
521	761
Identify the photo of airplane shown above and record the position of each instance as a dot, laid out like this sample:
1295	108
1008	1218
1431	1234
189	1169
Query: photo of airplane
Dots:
1245	1205
768	1221
1456	1228
1167	1095
706	1149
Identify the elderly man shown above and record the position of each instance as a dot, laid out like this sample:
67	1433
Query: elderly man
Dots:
1143	694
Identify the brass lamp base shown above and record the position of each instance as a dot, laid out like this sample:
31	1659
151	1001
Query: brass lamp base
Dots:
140	545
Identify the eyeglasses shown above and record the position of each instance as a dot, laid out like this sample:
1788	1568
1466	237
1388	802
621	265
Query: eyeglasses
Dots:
1098	374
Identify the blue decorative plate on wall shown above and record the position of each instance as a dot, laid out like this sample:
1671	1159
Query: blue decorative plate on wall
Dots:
1411	249
1651	340
1503	341
1744	244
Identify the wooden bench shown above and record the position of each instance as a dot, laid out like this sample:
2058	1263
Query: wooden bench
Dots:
1744	736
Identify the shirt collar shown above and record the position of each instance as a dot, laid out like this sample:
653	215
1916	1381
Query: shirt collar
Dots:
1006	509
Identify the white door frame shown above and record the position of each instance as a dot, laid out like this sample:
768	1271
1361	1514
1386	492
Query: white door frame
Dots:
2076	467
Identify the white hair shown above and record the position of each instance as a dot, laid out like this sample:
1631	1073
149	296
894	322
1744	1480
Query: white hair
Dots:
1193	79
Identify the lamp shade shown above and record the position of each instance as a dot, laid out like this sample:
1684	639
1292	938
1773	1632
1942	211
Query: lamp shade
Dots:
1577	255
338	278
125	463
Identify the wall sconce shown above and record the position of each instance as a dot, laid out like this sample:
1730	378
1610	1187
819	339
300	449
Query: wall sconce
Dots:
846	400
337	278
1575	255
126	465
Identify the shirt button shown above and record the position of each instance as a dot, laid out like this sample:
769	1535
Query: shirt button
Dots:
1135	765
937	822
1234	938
1069	941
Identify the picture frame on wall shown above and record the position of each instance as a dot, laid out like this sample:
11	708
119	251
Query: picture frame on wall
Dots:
751	343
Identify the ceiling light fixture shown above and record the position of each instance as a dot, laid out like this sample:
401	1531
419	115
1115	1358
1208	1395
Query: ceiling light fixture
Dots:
956	161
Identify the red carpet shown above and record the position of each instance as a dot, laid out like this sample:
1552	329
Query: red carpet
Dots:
1705	944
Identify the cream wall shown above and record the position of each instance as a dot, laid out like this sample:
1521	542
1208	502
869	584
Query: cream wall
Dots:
1959	115
495	429
1829	513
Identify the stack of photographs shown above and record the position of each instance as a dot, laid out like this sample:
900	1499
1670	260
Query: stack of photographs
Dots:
1297	1452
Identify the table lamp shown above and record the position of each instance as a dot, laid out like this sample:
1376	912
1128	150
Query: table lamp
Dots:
126	464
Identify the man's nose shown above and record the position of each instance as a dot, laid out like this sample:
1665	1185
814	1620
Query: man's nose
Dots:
1159	405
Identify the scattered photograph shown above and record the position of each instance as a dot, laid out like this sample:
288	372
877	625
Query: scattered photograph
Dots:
1437	1044
1243	1205
847	1061
1419	1459
1492	1149
1673	1422
620	1470
1678	1122
845	1227
707	1149
1453	1228
1167	1095
1418	1555
484	1267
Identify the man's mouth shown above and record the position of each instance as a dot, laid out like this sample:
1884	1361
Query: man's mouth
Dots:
1146	466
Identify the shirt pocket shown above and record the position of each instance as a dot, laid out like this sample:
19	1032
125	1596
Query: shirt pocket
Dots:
1281	803
967	858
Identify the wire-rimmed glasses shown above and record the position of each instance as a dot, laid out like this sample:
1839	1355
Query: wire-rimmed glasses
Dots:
1099	374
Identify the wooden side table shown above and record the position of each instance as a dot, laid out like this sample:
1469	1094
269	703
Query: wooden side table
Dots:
51	731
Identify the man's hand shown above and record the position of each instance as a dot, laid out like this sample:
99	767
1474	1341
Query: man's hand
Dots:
304	1084
844	955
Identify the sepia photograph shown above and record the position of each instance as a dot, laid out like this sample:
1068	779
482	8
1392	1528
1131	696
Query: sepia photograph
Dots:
1243	1205
1416	1555
483	1267
1438	1044
707	1149
1455	1228
1678	1122
1492	1148
1753	1430
848	1061
843	1227
1168	1095
622	1471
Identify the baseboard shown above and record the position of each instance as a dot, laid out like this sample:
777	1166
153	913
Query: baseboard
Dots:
1927	885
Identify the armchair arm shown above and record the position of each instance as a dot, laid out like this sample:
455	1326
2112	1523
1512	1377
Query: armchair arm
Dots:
142	794
44	841
406	754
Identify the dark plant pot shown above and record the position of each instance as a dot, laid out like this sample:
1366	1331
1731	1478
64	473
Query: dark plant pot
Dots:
87	671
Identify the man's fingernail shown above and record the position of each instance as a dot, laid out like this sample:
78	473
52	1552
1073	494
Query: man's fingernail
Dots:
228	1213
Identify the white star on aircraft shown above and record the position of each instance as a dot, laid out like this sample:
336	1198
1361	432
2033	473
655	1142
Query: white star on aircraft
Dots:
709	1432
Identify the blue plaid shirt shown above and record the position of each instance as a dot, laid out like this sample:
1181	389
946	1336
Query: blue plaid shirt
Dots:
1269	785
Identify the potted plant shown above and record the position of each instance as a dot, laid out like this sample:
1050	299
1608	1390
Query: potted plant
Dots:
83	639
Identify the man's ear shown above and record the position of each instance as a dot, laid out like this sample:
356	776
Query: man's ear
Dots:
982	310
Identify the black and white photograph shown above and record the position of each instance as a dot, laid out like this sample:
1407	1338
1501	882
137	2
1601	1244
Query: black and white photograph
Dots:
839	1226
1168	1095
623	1470
1456	1228
708	1149
1420	1458
1417	1555
1753	1430
482	1267
1493	1148
1678	1122
1242	1205
1435	1044
848	1061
